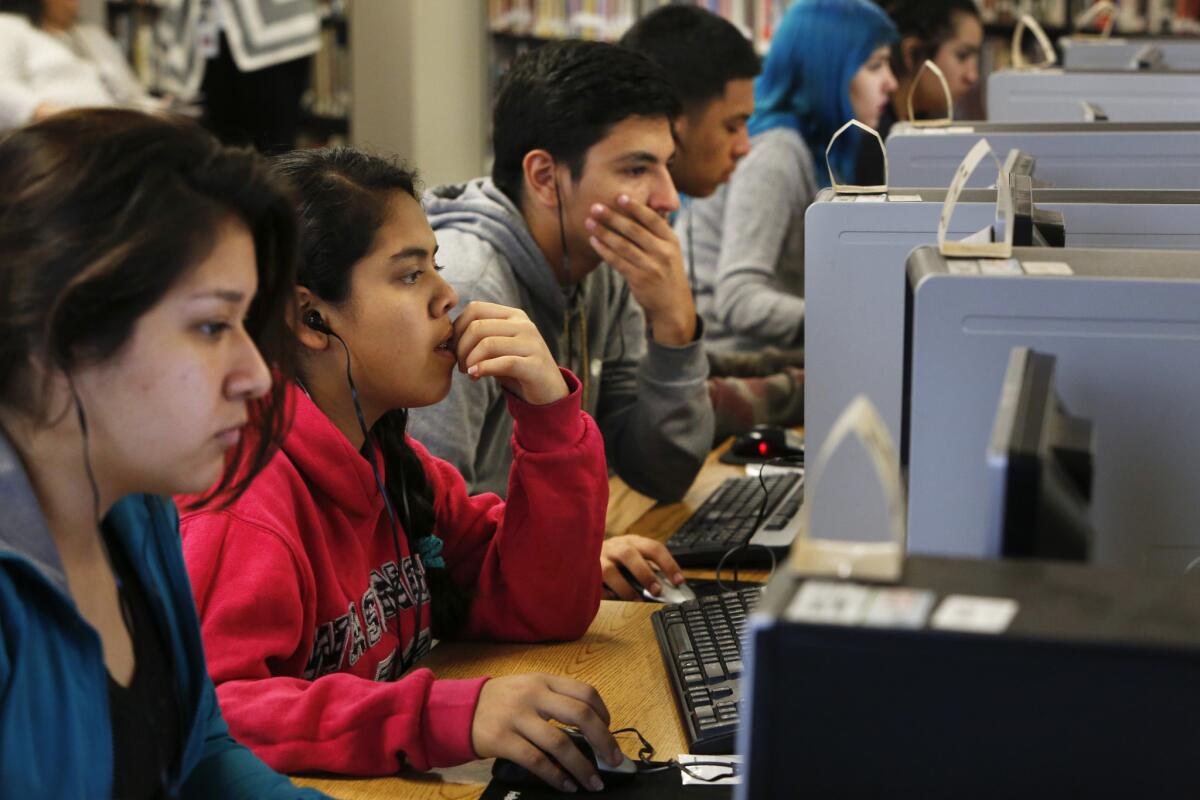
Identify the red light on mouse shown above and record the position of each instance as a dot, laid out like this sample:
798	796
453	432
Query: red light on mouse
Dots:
762	448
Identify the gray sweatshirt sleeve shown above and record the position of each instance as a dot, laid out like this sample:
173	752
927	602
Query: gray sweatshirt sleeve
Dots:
653	409
768	194
452	429
457	429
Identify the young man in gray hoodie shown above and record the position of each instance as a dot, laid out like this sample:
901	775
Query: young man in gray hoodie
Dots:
582	138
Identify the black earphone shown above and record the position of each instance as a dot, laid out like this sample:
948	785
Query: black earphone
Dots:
313	319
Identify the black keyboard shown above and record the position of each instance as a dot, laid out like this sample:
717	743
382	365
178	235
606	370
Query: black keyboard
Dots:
729	517
701	644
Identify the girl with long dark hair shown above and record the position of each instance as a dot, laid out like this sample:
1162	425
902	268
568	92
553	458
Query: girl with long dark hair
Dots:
322	586
144	281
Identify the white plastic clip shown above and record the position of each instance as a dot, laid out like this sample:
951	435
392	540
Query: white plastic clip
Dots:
871	560
931	123
972	246
1049	59
851	188
1089	15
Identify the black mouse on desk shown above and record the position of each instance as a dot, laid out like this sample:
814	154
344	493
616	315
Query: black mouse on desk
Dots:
509	772
765	442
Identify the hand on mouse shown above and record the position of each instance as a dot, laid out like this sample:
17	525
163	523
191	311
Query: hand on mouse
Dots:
501	342
511	722
635	553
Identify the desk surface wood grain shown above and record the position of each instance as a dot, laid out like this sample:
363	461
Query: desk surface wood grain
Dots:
618	655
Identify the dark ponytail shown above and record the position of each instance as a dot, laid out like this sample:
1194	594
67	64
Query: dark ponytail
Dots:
342	195
404	472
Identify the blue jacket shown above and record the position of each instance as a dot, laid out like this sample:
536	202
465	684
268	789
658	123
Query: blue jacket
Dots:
55	732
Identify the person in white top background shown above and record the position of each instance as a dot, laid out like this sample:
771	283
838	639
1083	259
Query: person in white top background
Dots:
50	61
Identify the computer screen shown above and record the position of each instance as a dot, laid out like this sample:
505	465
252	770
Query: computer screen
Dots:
1040	463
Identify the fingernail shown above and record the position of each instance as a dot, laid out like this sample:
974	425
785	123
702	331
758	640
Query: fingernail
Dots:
590	224
593	241
595	784
677	578
473	370
597	209
623	199
569	786
655	588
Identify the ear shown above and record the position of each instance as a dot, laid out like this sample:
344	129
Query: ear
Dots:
309	338
910	53
541	171
44	388
680	126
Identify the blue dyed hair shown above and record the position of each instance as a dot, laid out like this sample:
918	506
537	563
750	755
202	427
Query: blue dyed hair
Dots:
805	82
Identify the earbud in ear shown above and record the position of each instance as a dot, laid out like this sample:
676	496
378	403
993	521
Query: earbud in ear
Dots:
314	320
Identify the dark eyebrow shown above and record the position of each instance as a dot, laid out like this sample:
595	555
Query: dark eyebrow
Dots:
643	157
411	252
640	157
228	295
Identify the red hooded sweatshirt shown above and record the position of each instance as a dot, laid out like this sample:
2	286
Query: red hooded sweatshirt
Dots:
297	588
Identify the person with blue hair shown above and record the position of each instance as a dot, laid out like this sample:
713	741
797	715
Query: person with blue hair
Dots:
828	63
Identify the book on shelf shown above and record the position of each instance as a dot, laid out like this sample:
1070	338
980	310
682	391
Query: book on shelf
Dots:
603	20
329	87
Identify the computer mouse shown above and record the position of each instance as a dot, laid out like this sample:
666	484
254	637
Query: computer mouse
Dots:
508	772
667	593
765	442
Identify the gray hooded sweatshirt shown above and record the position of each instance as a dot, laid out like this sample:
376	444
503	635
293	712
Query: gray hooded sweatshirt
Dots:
650	401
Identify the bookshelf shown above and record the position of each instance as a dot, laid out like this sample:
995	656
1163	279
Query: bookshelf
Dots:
325	106
516	26
131	24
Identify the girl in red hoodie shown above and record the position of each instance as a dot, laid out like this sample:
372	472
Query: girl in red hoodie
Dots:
324	583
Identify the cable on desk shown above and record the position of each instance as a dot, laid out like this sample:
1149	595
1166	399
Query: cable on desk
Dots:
647	766
762	516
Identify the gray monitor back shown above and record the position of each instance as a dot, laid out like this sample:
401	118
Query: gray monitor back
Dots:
1055	95
1124	327
1078	155
1120	53
854	262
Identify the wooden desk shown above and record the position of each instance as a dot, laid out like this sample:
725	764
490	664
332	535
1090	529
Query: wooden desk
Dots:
618	655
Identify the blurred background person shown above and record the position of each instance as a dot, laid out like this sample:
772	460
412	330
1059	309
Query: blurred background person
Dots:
49	61
947	32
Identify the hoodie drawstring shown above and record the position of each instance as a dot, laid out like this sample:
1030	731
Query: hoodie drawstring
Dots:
585	370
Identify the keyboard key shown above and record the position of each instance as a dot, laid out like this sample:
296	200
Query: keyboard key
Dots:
680	641
715	727
720	692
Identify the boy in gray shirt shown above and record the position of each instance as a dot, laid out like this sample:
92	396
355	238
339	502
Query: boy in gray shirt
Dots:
582	139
